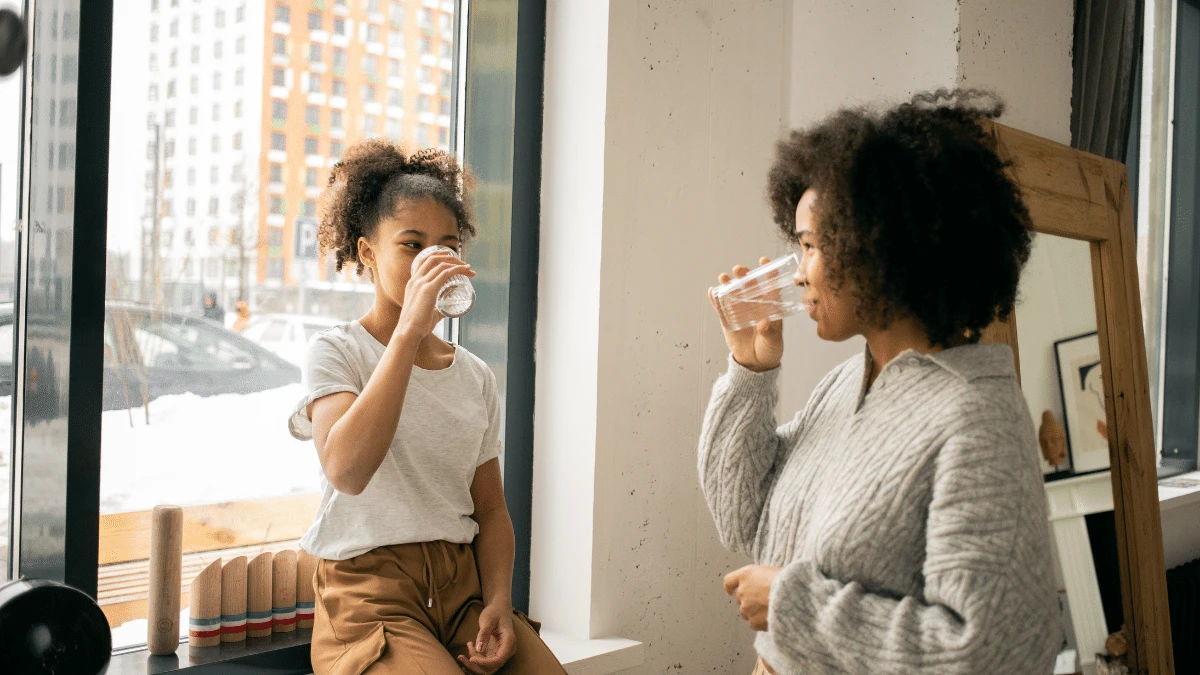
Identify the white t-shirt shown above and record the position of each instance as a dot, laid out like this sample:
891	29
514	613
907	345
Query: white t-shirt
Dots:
449	426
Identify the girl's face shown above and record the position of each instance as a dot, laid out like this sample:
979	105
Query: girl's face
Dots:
833	310
414	224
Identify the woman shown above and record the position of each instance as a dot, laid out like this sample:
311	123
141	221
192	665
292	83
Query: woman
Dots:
898	521
415	541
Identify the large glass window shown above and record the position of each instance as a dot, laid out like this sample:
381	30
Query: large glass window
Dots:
196	396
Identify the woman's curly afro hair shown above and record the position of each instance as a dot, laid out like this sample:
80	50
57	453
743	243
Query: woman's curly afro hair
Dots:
371	179
915	209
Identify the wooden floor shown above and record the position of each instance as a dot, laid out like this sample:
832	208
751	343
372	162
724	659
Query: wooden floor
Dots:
209	532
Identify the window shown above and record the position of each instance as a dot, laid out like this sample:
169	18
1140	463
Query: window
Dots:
335	119
423	135
278	77
370	64
195	54
173	59
195	24
373	6
154	32
368	93
310	146
424	18
194	85
216	112
393	68
395	98
314	82
447	25
393	130
154	63
369	125
152	93
426	46
171	89
174	28
424	104
373	34
312	115
395	40
169	119
197	370
216	82
339	88
282	14
339	26
314	52
167	178
278	111
445	108
424	75
446	50
339	61
216	143
315	21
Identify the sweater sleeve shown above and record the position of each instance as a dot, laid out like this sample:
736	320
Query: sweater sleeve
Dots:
740	447
985	573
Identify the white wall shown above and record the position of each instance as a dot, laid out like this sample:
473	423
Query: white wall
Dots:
660	122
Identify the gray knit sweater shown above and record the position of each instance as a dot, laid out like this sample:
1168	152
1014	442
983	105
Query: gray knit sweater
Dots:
909	518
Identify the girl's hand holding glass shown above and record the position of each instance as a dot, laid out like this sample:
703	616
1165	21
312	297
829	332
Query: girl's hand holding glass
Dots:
420	312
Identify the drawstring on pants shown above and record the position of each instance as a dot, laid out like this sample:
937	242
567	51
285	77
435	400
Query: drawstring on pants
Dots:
430	584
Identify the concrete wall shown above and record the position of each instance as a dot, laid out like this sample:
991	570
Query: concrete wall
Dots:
660	123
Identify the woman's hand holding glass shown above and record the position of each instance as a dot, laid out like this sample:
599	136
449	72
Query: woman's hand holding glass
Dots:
419	313
758	348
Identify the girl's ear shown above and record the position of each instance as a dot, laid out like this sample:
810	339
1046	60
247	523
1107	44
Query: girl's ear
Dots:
365	253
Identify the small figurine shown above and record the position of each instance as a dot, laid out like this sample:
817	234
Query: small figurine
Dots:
1053	440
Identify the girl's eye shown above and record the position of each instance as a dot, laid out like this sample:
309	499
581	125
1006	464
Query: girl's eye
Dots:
416	246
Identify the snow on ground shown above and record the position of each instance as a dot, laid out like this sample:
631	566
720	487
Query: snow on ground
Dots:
204	450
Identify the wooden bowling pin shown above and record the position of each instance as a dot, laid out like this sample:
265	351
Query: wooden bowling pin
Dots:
306	569
283	576
166	568
233	600
204	615
259	596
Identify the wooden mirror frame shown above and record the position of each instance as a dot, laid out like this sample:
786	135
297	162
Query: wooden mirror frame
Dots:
1077	195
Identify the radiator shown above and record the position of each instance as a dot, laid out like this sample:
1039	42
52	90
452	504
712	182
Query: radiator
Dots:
1183	594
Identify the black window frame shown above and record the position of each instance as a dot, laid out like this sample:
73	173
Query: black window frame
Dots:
75	531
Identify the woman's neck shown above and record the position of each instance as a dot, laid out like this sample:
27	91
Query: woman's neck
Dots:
381	321
901	335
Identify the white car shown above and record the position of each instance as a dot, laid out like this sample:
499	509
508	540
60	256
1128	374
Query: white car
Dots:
287	335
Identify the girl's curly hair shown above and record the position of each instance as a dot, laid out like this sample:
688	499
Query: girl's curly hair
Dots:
371	178
915	210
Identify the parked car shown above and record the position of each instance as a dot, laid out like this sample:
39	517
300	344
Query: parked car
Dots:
287	335
150	352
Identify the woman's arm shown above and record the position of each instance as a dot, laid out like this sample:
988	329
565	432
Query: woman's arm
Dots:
740	446
988	603
495	546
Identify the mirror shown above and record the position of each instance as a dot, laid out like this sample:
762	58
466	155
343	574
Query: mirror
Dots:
1083	198
1062	379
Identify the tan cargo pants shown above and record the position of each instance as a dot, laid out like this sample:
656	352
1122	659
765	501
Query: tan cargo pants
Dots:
409	609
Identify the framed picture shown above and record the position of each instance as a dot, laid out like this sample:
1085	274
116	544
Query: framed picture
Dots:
1079	378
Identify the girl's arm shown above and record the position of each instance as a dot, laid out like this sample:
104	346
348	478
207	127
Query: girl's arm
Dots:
495	546
353	432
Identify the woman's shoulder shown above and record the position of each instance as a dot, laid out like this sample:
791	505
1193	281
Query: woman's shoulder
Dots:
472	364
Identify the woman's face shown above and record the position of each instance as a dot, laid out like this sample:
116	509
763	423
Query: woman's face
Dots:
834	311
415	224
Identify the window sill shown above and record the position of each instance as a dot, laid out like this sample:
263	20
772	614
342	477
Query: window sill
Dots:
287	653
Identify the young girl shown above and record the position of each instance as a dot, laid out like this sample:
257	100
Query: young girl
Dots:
414	538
